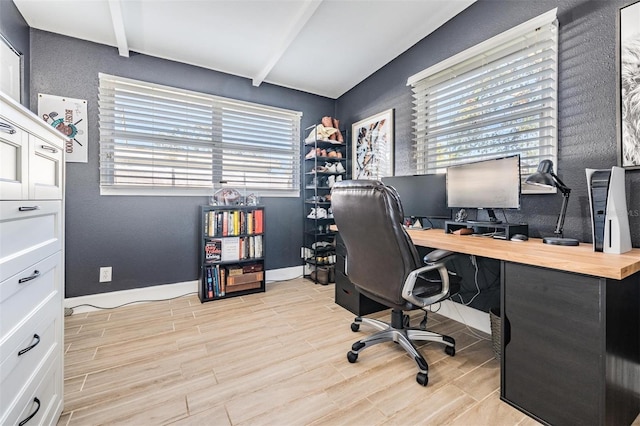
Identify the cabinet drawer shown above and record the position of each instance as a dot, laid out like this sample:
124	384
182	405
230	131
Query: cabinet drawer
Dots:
18	299
45	170
14	154
41	398
22	354
29	231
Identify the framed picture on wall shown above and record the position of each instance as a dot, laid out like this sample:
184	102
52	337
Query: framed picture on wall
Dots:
628	110
372	146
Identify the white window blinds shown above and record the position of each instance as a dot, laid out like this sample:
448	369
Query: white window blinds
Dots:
161	140
496	99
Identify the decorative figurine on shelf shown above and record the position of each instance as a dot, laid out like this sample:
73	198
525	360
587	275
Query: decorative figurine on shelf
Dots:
227	197
252	200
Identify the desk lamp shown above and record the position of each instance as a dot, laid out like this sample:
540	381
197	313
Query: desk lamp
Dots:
544	176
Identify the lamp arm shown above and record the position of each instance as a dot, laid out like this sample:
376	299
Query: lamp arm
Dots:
560	184
563	213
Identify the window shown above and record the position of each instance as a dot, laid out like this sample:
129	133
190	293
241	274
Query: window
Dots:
495	99
158	140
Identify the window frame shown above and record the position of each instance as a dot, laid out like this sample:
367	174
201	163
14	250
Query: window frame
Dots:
468	61
213	143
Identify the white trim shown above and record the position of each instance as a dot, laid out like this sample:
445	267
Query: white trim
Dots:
160	292
465	315
185	192
283	274
544	19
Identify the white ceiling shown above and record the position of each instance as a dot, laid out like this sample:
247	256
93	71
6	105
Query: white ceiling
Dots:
325	47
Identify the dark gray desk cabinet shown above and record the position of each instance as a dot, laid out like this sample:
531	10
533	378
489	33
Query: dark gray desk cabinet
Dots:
571	345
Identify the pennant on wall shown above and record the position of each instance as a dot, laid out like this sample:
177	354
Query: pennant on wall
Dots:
69	117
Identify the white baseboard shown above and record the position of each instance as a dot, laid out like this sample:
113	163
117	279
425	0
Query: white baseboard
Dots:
284	274
117	298
466	315
456	311
158	292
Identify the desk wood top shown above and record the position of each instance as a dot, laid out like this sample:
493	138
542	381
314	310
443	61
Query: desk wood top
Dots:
579	259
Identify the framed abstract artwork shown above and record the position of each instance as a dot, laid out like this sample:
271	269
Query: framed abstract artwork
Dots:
372	146
628	94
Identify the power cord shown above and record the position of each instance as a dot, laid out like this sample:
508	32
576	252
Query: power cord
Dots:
68	311
474	262
479	336
128	303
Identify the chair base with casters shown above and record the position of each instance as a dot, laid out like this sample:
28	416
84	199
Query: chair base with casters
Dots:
400	332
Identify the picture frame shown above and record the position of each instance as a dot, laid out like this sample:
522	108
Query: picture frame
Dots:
628	86
372	147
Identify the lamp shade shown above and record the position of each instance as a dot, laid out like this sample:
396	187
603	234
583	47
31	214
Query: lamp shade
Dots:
543	176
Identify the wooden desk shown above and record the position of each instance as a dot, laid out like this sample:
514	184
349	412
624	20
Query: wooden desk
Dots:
579	259
570	327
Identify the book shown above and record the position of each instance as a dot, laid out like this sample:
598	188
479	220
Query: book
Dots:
258	215
230	249
223	282
213	250
209	281
216	280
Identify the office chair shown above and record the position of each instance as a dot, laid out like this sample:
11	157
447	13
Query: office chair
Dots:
384	265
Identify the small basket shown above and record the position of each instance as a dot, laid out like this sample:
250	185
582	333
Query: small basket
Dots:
495	321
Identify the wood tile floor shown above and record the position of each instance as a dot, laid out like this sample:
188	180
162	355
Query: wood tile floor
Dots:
273	358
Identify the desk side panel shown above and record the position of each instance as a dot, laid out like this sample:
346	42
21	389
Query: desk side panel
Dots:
623	350
554	338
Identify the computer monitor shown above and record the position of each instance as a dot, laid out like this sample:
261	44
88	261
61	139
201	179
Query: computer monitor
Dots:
422	196
488	184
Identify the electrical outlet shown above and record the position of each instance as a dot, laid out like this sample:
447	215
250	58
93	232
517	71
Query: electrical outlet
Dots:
105	274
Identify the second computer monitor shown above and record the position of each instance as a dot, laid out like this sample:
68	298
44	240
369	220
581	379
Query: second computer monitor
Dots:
489	184
422	196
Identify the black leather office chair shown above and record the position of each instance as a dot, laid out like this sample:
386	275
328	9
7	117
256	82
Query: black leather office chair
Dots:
384	265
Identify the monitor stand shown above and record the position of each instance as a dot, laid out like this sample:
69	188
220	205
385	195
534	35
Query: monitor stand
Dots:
492	219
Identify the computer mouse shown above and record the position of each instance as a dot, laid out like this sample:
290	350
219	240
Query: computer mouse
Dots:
519	237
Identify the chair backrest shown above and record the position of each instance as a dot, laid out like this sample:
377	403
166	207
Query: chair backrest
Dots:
380	253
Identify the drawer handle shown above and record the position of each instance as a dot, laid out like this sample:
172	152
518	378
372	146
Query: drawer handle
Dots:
28	208
24	422
33	276
7	128
28	348
49	148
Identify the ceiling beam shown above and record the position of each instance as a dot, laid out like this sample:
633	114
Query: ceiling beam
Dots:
290	33
118	27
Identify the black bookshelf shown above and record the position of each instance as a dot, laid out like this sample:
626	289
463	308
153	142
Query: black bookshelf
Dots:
231	251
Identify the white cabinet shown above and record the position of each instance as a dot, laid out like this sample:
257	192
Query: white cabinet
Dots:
31	166
31	267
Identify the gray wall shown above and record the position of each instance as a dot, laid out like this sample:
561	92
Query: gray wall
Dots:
148	240
153	240
586	104
14	28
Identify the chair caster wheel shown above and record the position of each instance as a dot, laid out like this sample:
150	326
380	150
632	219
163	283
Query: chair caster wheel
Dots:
355	327
352	357
422	379
450	350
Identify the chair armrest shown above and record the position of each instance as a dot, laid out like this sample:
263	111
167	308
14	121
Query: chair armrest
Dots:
410	282
437	256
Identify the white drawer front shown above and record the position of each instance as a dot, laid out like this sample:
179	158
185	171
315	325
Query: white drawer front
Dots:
24	352
28	235
45	170
41	399
14	155
19	298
